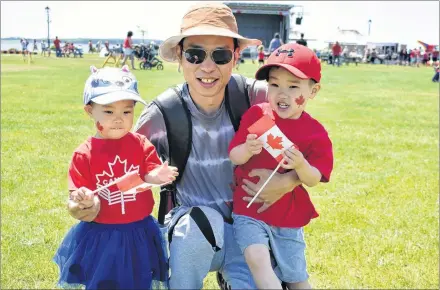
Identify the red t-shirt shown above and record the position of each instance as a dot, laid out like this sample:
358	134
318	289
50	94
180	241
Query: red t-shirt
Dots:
127	43
261	55
96	162
295	208
57	42
336	49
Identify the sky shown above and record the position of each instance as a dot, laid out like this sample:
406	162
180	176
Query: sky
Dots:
403	22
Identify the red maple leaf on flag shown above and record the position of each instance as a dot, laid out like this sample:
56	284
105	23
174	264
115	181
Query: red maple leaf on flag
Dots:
274	142
300	101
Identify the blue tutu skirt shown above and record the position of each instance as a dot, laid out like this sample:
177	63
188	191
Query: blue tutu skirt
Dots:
113	256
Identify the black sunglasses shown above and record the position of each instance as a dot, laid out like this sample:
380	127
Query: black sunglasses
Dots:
198	55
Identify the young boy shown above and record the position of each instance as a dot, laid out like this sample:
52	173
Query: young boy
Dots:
293	73
123	247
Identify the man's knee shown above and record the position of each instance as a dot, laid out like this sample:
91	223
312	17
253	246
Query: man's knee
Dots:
191	254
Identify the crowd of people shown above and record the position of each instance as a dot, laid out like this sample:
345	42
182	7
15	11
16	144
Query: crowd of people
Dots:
339	54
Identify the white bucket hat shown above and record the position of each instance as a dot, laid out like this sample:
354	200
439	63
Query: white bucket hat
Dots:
205	19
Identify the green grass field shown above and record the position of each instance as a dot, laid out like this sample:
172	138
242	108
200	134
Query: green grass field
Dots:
379	215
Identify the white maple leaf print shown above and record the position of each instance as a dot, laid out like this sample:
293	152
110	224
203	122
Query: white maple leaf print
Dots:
115	197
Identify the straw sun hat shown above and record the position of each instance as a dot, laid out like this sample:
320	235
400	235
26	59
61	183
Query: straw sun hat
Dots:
205	19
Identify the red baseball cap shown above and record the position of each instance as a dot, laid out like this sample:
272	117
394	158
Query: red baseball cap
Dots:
298	59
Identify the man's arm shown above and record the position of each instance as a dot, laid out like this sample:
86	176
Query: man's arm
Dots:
280	184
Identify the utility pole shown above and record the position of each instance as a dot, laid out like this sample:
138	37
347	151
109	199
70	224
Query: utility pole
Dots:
48	21
143	31
369	26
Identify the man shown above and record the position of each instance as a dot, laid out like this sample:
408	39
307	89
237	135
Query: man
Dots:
336	51
207	50
275	42
57	44
302	41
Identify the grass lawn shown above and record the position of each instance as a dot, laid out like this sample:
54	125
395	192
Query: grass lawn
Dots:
379	215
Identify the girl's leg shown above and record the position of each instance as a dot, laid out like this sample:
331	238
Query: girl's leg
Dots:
124	60
132	61
258	258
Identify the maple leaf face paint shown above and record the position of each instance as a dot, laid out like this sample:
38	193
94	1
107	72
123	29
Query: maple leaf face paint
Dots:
114	120
300	101
99	127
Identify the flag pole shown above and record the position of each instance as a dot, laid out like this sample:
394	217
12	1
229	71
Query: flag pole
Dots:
267	181
107	185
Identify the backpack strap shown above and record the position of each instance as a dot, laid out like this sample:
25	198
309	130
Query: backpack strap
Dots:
179	133
236	93
202	222
178	125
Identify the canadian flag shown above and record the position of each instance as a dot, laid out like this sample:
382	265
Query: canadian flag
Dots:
275	142
132	183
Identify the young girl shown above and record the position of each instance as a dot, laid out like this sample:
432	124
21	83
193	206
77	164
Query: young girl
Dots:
122	248
260	55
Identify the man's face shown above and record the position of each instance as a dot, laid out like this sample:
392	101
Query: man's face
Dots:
207	79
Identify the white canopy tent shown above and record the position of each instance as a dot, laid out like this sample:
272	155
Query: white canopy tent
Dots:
347	37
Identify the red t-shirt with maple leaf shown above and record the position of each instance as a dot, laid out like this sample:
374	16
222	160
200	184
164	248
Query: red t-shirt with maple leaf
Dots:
294	209
97	162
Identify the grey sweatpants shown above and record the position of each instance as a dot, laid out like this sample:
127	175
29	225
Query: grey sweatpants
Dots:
192	257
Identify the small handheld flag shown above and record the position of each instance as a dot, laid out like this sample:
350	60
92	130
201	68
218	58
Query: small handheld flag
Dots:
130	183
274	141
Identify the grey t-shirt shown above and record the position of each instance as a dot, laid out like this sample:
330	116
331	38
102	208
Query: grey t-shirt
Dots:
208	174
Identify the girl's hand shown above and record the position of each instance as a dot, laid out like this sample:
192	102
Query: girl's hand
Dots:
166	173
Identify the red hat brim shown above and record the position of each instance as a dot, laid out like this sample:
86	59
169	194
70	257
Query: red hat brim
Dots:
263	72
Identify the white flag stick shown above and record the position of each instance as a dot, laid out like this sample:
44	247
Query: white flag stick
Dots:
267	181
105	186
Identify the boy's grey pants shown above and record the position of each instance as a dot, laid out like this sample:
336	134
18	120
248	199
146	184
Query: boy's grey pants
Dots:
192	257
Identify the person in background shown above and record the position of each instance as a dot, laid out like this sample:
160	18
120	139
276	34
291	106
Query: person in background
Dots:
373	56
128	50
435	78
90	47
260	55
345	55
35	46
275	42
43	48
57	44
434	56
336	52
302	41
24	45
412	57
